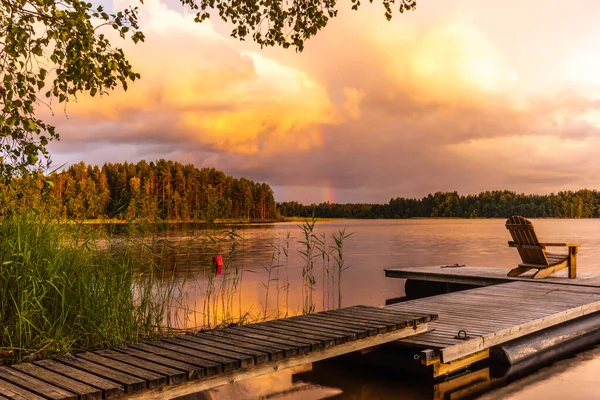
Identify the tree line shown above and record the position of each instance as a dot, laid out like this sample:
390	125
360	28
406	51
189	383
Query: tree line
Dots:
154	190
583	203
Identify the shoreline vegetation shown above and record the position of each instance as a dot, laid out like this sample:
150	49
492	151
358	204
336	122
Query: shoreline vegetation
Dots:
584	203
67	287
59	294
58	291
171	192
217	222
154	191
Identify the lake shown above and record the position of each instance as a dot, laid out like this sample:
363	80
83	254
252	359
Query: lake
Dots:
272	285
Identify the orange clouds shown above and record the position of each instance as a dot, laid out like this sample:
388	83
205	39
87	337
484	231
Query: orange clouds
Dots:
439	99
448	64
213	92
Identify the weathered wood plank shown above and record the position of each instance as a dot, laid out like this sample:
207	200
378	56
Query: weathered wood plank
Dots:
315	344
172	375
381	326
152	379
363	317
109	389
227	355
376	317
260	356
35	385
338	337
440	369
493	315
418	316
302	346
481	343
226	334
170	392
325	340
361	331
131	383
83	391
216	354
15	392
228	364
324	328
192	371
487	276
458	308
209	367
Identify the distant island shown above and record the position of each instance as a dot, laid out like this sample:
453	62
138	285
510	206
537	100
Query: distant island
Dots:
491	204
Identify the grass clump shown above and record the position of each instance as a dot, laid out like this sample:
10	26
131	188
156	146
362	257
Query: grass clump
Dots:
59	294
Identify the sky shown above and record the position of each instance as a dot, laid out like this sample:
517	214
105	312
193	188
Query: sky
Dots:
458	95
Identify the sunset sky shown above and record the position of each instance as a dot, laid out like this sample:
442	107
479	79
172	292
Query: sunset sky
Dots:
459	95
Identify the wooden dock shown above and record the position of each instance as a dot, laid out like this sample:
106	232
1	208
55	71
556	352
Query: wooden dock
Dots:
473	321
482	276
448	332
174	367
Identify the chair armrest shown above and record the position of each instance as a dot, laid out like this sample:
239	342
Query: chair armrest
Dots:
561	244
526	246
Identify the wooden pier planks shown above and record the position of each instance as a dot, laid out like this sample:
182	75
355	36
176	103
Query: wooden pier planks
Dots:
496	314
483	276
174	367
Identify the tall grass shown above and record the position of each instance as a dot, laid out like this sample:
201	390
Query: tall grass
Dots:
286	279
308	249
339	239
58	294
67	286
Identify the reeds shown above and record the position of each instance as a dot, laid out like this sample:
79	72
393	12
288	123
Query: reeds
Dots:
57	293
339	238
307	252
72	286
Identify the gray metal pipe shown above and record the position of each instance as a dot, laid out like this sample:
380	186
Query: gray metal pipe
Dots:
545	357
555	337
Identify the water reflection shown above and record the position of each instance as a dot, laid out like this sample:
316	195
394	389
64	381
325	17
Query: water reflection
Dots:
270	271
269	283
374	246
359	378
282	385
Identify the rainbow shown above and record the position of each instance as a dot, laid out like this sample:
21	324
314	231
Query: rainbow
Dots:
328	193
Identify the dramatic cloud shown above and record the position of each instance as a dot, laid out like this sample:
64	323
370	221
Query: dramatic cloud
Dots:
450	97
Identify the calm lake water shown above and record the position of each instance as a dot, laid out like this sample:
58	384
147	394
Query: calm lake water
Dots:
373	246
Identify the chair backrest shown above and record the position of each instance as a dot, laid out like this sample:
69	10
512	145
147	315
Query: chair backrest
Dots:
522	232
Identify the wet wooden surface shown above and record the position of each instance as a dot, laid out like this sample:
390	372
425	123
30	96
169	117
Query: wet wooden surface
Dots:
492	315
483	276
185	364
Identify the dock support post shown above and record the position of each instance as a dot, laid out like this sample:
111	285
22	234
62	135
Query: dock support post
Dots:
572	262
432	357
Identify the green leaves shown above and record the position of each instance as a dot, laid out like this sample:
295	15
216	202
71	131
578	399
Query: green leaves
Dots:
37	36
276	23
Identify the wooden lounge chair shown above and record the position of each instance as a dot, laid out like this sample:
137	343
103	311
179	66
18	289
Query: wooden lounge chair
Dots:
533	253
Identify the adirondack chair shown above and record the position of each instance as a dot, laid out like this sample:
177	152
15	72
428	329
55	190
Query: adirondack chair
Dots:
533	253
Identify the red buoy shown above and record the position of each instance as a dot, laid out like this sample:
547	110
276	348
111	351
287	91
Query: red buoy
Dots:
218	261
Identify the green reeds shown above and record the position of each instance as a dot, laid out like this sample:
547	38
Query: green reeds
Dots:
58	294
71	286
324	252
339	238
286	280
307	252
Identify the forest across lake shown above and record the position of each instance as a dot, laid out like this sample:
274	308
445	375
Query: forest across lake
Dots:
168	190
